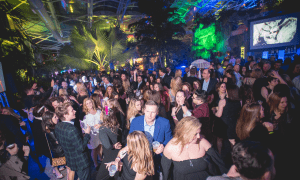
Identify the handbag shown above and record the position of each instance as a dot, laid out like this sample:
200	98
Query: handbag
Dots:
56	161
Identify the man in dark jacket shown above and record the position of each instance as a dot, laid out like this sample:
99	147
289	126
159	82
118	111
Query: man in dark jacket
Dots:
166	80
74	146
208	84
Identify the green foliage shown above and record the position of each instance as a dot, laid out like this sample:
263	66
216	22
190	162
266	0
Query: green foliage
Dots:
89	49
207	40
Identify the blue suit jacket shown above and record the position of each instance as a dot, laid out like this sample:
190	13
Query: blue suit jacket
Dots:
162	131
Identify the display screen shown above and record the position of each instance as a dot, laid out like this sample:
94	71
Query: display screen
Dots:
274	32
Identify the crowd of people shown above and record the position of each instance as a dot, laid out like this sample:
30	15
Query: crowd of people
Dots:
233	120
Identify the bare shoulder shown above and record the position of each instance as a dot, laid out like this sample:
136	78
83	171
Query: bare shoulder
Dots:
204	144
170	149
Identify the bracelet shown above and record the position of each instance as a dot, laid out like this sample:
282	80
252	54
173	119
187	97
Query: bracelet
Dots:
118	158
174	117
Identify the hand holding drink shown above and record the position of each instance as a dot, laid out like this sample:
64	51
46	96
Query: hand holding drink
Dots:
155	145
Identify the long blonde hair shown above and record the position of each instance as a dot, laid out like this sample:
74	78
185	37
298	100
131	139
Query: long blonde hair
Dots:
126	85
249	117
81	89
62	92
176	84
185	130
178	73
139	153
132	111
84	107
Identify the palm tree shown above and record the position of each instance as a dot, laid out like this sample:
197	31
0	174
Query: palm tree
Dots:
155	33
89	49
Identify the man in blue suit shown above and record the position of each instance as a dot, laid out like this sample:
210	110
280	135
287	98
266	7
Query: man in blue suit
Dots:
155	128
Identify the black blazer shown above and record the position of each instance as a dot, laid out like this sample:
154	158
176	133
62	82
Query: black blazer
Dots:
211	86
172	74
74	146
135	85
166	81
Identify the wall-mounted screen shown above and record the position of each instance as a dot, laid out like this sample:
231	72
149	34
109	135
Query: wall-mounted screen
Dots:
274	32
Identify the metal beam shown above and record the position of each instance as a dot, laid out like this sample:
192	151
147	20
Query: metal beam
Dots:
90	5
121	10
51	7
39	8
124	10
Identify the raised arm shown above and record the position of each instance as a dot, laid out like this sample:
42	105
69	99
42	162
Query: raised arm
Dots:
221	105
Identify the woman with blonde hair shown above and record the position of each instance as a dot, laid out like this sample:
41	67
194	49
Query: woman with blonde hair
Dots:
82	92
92	118
175	85
178	73
134	110
137	158
189	153
62	92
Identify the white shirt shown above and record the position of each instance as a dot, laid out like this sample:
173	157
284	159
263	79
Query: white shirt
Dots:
205	85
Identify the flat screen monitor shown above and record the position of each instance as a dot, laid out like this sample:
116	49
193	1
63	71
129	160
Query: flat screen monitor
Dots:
275	32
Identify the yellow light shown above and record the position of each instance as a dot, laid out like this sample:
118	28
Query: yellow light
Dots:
71	8
141	67
243	52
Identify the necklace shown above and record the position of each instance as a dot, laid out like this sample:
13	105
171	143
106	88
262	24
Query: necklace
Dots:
191	164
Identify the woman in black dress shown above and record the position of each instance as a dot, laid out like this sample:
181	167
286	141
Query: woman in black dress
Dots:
137	158
192	156
115	105
48	124
228	111
249	125
109	134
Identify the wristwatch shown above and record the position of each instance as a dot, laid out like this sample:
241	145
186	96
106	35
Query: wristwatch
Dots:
183	105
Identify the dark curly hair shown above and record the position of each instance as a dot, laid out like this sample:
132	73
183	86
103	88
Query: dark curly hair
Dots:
252	159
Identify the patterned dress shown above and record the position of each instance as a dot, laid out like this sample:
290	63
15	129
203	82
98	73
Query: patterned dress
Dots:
92	120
